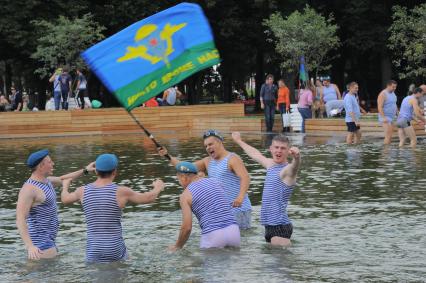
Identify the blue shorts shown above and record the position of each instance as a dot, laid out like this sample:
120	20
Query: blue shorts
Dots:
389	118
403	123
352	127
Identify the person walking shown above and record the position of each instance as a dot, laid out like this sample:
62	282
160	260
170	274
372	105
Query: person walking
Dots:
81	89
353	114
409	110
386	105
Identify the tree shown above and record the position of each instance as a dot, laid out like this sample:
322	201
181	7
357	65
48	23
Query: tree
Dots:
306	34
407	40
62	41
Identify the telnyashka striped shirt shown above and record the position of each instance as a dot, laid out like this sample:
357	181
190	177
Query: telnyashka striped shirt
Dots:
210	205
42	221
103	218
230	181
275	197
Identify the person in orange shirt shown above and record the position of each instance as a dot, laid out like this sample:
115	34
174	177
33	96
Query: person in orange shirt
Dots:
151	103
283	101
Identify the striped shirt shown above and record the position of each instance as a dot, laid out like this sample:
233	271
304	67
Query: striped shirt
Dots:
42	221
210	205
275	198
103	218
230	181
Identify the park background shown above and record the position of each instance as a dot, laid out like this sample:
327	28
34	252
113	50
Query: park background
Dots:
365	41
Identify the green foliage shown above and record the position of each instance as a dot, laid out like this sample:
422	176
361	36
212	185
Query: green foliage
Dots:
407	40
303	33
61	41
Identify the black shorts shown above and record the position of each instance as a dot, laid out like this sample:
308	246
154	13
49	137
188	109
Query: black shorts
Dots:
352	127
283	231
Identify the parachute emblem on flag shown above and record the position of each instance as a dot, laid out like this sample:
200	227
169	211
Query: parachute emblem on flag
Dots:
154	45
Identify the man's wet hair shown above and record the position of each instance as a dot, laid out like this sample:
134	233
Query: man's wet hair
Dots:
281	138
105	174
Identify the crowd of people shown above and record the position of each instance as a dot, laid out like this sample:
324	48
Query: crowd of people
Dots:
219	200
324	99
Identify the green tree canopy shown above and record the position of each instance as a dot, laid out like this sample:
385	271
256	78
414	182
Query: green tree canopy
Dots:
408	41
304	33
61	41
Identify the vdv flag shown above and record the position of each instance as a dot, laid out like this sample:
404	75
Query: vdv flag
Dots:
154	54
302	72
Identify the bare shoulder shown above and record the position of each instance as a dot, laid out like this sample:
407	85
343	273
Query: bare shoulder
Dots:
27	190
123	190
186	196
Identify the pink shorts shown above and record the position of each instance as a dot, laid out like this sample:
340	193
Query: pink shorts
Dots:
225	237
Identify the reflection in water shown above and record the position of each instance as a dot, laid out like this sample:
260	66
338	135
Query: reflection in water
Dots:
358	215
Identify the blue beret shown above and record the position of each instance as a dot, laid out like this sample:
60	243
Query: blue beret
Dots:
186	167
36	157
106	162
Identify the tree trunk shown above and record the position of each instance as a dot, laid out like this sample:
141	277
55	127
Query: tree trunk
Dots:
227	88
386	66
259	78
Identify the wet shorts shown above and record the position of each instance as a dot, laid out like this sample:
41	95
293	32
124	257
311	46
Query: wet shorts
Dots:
243	218
225	237
403	123
352	127
283	231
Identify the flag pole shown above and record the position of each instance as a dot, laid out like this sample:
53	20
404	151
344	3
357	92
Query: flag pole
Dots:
147	133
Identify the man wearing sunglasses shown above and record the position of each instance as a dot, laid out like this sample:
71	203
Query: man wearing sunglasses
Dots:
229	169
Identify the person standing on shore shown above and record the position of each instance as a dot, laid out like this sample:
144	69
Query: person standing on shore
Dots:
56	87
386	104
279	184
304	105
81	88
283	101
268	96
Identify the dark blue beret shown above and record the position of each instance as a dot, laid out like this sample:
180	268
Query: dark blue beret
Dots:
36	157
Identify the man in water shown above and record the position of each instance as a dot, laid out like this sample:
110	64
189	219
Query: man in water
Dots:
409	110
36	209
386	105
278	187
205	198
103	202
229	169
353	114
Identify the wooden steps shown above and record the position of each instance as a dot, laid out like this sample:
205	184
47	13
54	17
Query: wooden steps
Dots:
338	127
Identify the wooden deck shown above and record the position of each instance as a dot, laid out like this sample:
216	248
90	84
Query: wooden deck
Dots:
333	127
225	117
